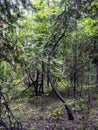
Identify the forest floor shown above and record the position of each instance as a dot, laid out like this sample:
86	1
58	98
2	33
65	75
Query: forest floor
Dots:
48	113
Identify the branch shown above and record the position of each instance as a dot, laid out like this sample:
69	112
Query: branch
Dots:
4	124
56	43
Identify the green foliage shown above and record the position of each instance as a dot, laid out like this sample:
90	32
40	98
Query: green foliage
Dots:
55	114
90	26
28	40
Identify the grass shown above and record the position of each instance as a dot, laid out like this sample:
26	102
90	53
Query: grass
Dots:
46	112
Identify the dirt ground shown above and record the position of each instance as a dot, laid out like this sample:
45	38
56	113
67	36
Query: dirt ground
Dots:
46	113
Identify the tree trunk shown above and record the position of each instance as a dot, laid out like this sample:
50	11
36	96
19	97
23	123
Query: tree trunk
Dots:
68	108
41	80
36	81
0	102
96	73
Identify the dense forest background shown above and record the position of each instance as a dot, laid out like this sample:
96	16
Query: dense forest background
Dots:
48	65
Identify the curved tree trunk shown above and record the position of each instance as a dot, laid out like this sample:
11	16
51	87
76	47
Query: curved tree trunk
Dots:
68	108
50	54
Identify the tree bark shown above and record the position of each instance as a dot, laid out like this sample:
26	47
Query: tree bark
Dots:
0	101
96	73
42	78
68	108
